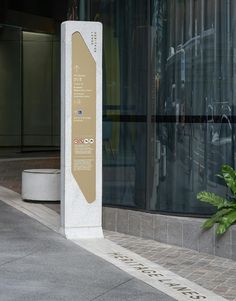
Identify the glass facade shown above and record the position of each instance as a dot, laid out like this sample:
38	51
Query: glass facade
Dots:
30	76
169	86
169	95
29	91
125	97
195	72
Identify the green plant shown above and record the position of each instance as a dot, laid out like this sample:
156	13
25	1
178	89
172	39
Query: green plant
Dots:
226	207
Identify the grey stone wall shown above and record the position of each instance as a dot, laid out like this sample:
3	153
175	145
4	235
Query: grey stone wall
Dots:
180	231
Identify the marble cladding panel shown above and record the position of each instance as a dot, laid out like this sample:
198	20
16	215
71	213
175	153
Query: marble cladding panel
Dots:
147	226
122	221
134	223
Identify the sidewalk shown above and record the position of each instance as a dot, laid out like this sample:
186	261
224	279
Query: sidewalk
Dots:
39	264
214	273
36	264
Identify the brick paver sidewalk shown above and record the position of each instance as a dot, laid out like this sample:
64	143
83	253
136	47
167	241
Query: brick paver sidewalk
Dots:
214	273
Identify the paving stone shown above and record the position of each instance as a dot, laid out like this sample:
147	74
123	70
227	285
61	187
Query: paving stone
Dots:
212	272
221	289
214	268
231	282
229	297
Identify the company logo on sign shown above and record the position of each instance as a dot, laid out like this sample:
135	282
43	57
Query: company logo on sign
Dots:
84	141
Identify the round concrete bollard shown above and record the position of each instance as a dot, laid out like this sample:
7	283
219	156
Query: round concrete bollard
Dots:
41	184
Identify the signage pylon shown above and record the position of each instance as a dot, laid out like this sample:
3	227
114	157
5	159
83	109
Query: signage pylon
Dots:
81	129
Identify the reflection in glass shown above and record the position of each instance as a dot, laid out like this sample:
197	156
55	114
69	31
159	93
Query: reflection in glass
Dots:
169	100
195	96
125	93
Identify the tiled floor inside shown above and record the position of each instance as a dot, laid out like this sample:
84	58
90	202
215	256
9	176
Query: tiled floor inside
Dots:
214	273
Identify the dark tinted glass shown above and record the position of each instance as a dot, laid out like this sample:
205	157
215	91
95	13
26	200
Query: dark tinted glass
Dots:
169	101
195	45
124	100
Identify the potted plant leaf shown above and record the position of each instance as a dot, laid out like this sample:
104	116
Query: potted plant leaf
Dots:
226	207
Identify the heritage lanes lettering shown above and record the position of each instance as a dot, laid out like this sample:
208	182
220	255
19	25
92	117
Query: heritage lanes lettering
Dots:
193	295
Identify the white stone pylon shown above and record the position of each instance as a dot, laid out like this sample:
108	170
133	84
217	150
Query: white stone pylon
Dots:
81	129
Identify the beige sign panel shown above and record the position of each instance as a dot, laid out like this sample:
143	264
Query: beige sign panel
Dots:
83	117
